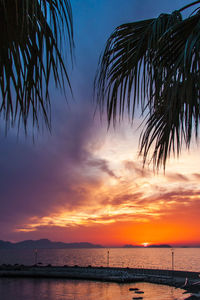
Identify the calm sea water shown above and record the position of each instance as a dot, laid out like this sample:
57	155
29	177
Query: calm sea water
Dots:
54	289
184	258
57	289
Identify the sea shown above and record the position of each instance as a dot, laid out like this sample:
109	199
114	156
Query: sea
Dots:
59	289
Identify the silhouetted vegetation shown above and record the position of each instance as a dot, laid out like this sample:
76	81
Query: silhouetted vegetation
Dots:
32	33
154	64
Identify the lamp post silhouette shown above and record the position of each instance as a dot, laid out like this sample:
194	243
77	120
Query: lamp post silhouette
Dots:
172	249
36	256
108	253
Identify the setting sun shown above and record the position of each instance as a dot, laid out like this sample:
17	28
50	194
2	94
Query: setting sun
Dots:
145	244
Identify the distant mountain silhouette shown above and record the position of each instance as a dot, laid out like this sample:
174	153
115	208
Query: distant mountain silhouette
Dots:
131	246
159	246
45	244
5	244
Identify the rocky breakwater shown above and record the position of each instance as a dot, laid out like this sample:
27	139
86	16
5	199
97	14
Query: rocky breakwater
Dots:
118	275
86	273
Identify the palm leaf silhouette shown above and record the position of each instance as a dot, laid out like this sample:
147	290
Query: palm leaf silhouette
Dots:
154	64
32	33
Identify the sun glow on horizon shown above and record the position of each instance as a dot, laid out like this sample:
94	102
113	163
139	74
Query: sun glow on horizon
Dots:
145	244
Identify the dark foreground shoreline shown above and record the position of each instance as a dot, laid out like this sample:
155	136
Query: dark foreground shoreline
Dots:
118	275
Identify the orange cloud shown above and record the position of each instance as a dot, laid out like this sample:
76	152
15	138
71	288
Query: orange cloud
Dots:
116	201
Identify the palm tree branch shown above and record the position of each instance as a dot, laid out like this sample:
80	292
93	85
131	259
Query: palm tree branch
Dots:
31	40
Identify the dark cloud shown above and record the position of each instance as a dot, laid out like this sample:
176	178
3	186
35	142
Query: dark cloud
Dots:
103	165
177	177
136	168
179	195
196	176
48	175
173	202
126	198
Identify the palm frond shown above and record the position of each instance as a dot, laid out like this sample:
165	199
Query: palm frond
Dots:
32	33
126	75
171	122
174	114
155	64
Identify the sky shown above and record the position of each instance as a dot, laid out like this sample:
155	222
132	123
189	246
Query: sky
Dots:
82	182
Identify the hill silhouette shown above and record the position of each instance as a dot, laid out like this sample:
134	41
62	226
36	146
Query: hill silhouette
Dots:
45	244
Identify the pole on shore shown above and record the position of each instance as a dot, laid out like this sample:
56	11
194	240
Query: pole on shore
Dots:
36	256
108	254
172	249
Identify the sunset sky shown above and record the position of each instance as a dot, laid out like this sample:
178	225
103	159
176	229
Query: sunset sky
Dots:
83	182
